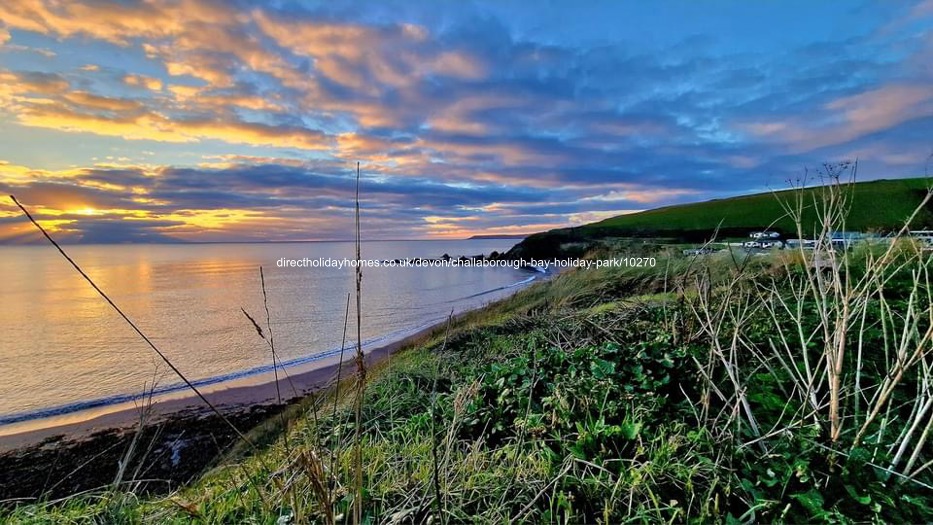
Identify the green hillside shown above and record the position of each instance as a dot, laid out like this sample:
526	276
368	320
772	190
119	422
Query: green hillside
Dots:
876	205
880	206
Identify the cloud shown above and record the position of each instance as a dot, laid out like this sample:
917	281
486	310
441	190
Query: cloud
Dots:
150	83
254	201
47	101
847	118
643	196
884	107
118	23
251	116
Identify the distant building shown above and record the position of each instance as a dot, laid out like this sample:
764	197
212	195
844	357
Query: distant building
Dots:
698	251
924	237
806	244
839	240
845	240
764	244
764	235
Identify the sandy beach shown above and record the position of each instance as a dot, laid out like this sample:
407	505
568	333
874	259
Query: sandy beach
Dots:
57	456
231	396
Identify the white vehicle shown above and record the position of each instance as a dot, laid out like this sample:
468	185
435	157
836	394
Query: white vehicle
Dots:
764	235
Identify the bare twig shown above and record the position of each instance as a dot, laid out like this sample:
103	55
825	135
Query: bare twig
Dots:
135	328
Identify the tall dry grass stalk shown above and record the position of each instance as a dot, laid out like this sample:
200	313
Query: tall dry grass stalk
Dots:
332	482
213	408
144	416
270	342
135	328
818	305
275	364
360	371
435	435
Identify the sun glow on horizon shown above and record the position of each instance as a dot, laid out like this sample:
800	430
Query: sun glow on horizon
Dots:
202	120
88	211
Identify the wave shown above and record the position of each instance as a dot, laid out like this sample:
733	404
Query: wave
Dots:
177	387
499	289
117	399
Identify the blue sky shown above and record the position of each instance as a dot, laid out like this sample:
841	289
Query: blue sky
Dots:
202	120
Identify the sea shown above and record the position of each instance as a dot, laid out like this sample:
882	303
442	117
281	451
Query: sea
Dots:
64	349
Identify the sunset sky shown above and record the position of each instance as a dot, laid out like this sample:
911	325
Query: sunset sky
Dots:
208	120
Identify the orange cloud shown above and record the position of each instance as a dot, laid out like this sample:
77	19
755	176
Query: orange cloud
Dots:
90	101
197	66
113	22
15	88
45	101
188	32
118	23
318	38
147	127
458	117
258	134
214	219
367	59
883	107
848	118
155	127
348	54
14	174
443	229
357	143
198	100
150	83
184	94
209	41
233	160
60	200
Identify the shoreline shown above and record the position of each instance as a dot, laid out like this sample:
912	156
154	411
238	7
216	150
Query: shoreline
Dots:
297	380
180	436
235	395
256	385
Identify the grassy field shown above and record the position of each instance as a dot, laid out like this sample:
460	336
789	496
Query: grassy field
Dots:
875	206
676	393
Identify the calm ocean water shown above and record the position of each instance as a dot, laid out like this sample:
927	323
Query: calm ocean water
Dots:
62	348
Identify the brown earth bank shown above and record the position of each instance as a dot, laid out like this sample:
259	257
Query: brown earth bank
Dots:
165	455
